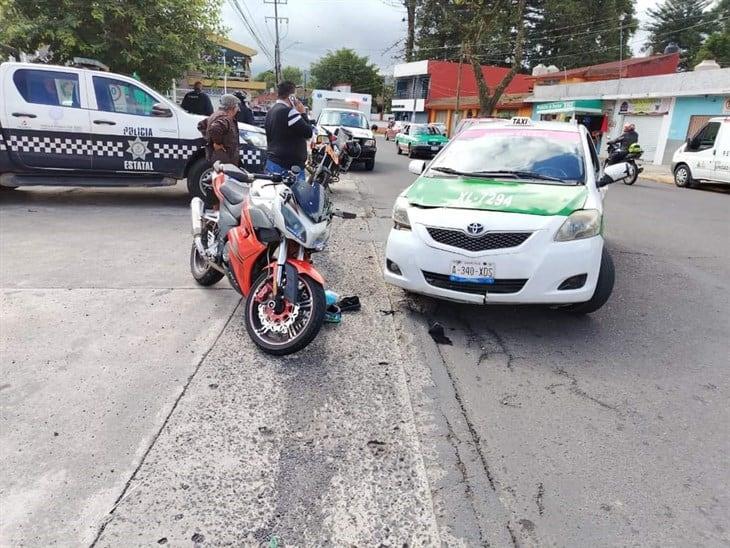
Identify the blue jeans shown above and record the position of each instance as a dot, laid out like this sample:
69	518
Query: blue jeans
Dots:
273	167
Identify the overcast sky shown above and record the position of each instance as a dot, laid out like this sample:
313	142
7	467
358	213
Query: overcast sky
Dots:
316	26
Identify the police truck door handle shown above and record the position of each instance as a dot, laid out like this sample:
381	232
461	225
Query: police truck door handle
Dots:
24	115
105	122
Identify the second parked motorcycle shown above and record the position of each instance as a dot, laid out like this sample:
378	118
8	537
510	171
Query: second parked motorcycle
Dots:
633	154
332	157
262	234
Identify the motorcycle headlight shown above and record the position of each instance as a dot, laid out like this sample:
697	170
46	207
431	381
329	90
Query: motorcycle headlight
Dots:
584	223
253	138
369	142
400	214
293	224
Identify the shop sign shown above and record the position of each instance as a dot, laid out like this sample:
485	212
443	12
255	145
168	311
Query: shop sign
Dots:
590	105
645	106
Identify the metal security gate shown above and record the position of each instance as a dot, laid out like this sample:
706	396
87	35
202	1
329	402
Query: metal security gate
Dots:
696	123
648	128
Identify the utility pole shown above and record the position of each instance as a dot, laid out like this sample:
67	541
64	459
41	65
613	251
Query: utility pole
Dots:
458	87
277	50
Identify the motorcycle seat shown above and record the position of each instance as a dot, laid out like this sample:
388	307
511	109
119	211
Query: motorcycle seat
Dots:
234	191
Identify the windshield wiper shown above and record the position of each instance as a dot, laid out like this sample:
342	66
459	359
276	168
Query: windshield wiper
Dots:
514	174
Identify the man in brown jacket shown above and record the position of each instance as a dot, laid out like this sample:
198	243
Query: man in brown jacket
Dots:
220	130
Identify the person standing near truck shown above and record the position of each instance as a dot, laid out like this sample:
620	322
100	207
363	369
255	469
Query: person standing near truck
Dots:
287	131
197	101
220	130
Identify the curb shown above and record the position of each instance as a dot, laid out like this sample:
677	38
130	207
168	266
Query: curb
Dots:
658	178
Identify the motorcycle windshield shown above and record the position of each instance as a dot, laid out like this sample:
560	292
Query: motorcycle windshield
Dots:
312	200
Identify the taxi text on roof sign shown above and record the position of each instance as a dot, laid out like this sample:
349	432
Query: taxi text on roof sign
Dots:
521	121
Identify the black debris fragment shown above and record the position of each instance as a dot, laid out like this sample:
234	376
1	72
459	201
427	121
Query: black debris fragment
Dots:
387	312
198	538
438	334
163	540
349	304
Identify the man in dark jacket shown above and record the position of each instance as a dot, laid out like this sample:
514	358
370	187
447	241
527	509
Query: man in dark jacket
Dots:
197	101
220	130
245	116
287	131
627	138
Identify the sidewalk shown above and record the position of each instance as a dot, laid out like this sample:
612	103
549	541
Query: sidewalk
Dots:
659	174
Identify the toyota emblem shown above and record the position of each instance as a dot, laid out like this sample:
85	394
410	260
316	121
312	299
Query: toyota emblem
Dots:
475	229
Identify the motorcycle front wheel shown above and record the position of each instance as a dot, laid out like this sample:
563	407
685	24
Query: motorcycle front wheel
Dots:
290	328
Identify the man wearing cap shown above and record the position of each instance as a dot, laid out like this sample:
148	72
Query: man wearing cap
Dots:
627	138
197	101
220	130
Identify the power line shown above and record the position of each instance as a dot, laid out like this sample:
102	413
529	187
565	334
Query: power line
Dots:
251	30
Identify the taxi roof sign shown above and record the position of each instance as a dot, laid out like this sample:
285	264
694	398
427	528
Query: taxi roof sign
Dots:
521	121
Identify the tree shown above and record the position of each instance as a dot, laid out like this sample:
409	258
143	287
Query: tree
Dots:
410	6
717	45
578	33
267	76
344	66
682	22
158	40
293	74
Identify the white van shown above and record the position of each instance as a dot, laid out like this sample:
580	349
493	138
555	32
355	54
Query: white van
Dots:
705	156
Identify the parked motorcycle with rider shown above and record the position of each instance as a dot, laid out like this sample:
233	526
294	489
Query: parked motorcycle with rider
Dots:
626	148
261	233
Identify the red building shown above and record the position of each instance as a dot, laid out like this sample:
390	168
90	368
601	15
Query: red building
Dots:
430	91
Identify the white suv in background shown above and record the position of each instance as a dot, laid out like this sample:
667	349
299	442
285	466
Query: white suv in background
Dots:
81	127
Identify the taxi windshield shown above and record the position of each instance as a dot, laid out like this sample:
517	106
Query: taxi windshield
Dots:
346	119
545	156
424	130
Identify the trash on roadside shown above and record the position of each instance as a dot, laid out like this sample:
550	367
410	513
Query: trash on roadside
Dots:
333	314
438	334
387	312
349	304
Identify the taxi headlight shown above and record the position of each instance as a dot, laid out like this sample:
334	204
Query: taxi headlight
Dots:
400	214
253	138
584	223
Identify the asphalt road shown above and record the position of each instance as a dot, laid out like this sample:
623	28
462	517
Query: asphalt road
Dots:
135	410
605	430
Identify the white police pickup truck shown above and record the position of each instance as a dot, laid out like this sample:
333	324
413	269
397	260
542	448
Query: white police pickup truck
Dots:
79	127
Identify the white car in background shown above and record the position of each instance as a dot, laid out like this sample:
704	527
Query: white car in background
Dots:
509	212
705	156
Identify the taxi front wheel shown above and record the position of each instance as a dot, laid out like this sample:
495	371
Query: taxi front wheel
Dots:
604	288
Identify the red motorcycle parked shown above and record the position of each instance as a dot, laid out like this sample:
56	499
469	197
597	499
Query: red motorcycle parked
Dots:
261	235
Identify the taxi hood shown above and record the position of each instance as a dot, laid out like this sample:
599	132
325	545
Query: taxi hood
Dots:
489	194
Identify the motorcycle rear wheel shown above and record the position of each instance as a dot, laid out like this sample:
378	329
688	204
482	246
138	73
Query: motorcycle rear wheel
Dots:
304	318
201	270
634	175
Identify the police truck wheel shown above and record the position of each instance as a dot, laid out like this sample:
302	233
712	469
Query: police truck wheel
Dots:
369	165
198	183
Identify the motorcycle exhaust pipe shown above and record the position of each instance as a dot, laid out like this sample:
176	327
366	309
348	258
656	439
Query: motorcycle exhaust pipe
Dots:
196	215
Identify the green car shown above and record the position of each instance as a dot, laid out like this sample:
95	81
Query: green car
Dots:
420	139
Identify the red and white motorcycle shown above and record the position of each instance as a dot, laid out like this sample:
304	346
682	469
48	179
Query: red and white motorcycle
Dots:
262	234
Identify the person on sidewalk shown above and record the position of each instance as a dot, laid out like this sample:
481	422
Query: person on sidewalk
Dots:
220	130
287	131
197	101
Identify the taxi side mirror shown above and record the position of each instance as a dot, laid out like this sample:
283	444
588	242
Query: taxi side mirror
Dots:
614	174
417	166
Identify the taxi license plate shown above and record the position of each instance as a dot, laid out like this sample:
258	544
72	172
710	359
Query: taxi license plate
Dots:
472	272
435	148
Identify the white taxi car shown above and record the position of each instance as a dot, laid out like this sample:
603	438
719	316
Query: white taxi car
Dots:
509	212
